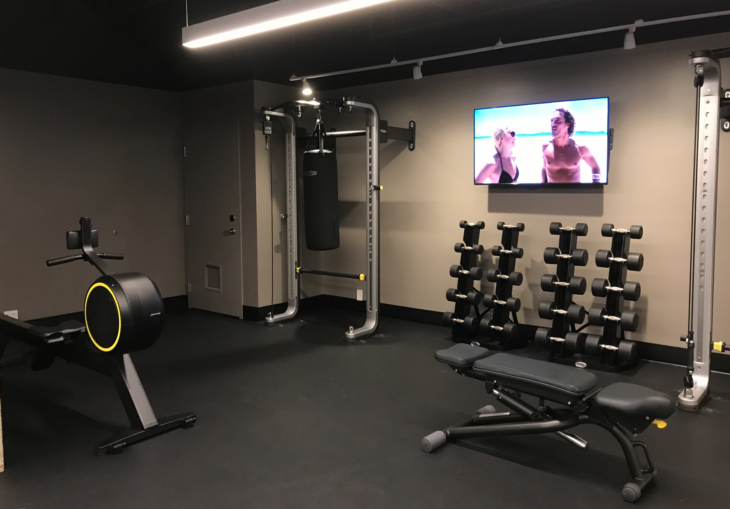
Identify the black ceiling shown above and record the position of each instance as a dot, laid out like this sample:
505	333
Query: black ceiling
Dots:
138	42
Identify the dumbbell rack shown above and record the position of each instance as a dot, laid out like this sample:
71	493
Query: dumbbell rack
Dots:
464	295
562	338
501	332
611	351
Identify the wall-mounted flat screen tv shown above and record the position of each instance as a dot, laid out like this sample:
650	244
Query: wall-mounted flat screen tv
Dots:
565	142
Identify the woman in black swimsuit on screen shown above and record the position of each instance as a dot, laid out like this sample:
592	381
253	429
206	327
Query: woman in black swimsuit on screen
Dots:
504	168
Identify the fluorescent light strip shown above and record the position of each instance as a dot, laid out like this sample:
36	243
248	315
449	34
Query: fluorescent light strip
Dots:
280	22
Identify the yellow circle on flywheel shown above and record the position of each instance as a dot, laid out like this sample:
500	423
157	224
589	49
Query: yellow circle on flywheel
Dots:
119	315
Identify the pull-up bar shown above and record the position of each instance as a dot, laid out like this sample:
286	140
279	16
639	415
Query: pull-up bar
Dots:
360	277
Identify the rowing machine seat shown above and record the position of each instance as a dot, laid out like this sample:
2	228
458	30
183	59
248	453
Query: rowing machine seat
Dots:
461	356
562	384
633	405
61	332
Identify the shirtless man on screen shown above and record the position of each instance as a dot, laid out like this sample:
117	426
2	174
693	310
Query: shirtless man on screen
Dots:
562	155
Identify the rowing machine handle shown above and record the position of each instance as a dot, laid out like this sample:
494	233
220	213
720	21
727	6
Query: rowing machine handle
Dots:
111	256
64	259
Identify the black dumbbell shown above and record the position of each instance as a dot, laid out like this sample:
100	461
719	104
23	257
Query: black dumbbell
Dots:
520	227
472	298
469	322
574	313
579	257
635	232
517	252
473	273
478	225
629	320
511	304
460	248
514	278
601	287
574	342
577	285
509	329
634	261
543	337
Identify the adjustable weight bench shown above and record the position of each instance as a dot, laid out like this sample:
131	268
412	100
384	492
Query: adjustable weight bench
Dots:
621	408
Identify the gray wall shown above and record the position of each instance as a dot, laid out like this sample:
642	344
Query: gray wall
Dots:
70	148
429	191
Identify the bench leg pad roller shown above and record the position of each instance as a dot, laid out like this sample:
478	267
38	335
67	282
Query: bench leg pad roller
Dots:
631	492
433	441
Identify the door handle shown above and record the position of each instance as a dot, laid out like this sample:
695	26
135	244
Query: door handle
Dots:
232	231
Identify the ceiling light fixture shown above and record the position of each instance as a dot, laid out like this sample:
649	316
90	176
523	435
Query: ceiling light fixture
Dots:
417	71
267	17
630	38
306	89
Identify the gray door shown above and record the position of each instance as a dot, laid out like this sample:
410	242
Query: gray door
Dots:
212	218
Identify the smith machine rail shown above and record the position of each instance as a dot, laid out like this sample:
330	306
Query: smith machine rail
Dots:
713	113
377	131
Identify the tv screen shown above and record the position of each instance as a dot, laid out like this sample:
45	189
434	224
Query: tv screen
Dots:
562	142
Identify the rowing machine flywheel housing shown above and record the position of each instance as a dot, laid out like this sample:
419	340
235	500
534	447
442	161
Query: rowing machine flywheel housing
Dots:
124	313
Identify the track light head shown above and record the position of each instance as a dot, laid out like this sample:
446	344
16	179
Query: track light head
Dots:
630	38
417	71
306	89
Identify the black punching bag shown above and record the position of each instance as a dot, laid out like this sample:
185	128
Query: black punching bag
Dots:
321	219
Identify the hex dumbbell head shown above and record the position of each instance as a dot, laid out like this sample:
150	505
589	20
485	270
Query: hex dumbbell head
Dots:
632	291
602	257
577	285
510	330
550	255
555	228
518	252
607	230
454	270
635	261
598	287
595	316
459	247
463	224
500	225
480	225
547	282
627	351
581	229
542	337
513	304
492	275
475	273
576	313
579	257
592	345
451	294
574	342
447	318
629	321
471	322
545	310
636	232
515	278
496	250
520	227
485	327
474	298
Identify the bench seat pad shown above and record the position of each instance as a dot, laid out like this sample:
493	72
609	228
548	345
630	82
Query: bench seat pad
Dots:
540	378
635	401
461	355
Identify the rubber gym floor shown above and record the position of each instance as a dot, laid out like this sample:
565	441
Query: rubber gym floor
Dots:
294	417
